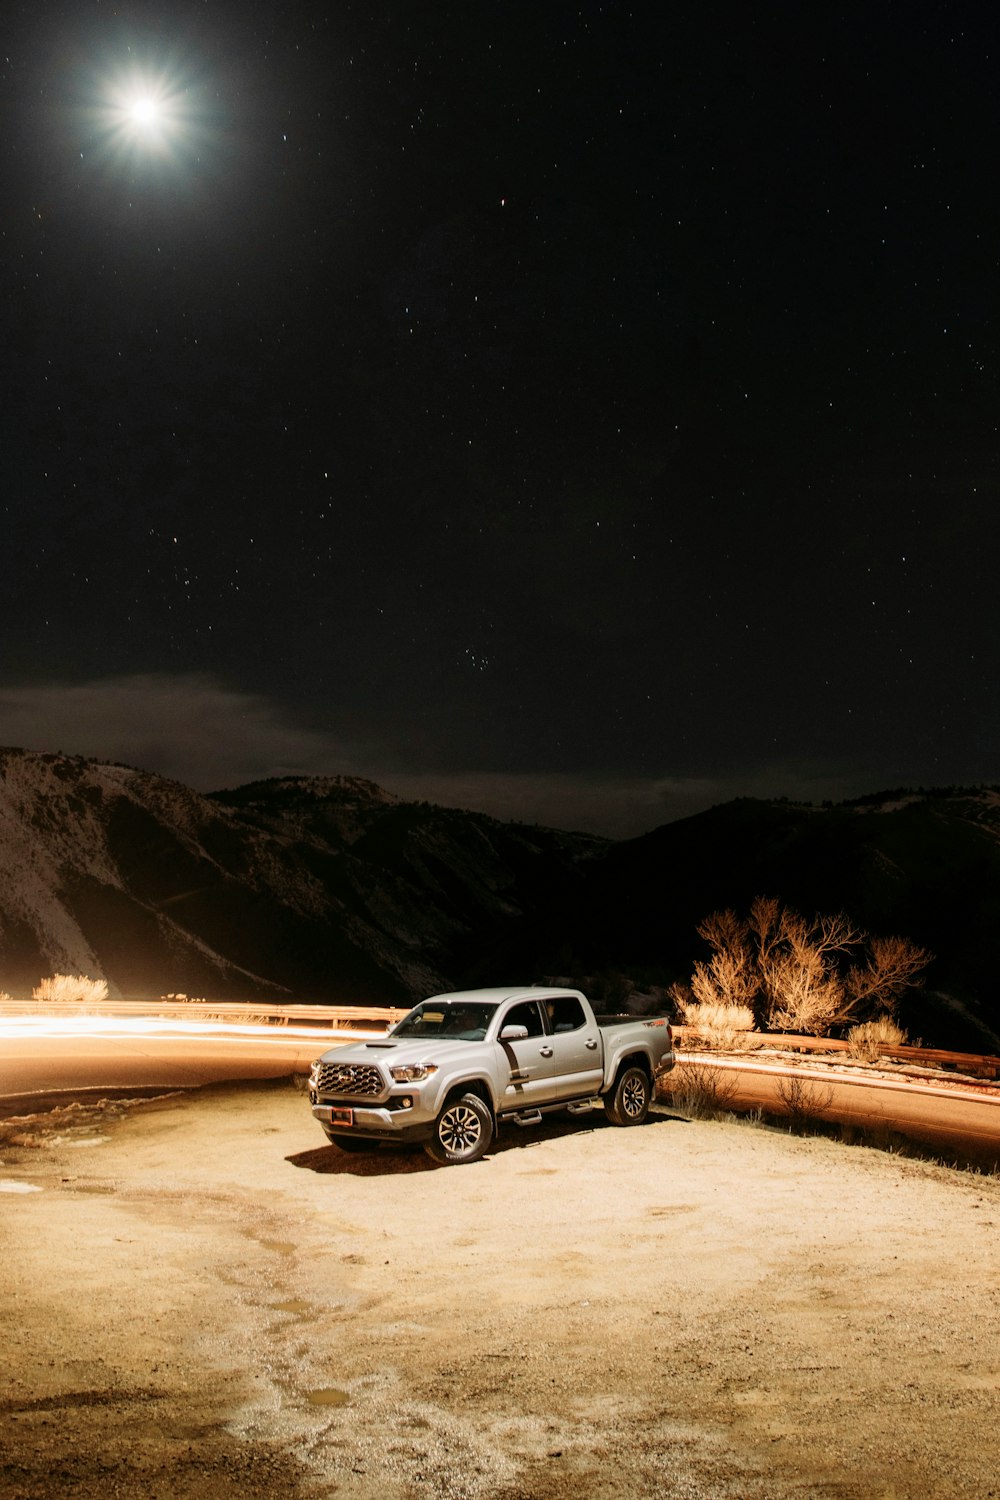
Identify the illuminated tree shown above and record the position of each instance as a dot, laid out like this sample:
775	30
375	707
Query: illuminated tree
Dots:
730	976
806	975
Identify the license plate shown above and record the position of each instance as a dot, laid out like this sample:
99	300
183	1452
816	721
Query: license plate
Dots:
341	1116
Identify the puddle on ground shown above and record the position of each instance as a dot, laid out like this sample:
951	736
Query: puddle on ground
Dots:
95	1140
8	1185
328	1395
298	1307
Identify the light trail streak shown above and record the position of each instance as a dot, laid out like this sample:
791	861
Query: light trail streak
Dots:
49	1056
154	1027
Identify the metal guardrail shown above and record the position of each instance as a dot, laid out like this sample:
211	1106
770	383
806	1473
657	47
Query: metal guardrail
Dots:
337	1017
978	1065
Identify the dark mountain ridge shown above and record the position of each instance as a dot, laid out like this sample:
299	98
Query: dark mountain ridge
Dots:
332	889
325	889
924	865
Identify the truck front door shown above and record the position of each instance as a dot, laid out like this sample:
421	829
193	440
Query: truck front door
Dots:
527	1059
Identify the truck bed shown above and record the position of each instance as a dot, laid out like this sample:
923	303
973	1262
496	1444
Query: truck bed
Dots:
604	1022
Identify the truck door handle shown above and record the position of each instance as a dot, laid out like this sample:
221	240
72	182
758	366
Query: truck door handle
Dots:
545	1051
591	1043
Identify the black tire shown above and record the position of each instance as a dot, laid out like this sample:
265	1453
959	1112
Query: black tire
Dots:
462	1131
629	1099
351	1143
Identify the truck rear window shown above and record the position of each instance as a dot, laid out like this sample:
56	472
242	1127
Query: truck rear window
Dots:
565	1013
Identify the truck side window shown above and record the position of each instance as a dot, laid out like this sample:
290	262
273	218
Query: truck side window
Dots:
526	1014
565	1013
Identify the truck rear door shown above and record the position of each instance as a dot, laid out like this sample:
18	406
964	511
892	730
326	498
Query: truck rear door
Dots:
576	1064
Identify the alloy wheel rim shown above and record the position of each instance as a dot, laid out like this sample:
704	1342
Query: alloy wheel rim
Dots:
633	1097
460	1130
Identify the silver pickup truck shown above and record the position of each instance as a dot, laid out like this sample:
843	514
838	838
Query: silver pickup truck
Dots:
459	1065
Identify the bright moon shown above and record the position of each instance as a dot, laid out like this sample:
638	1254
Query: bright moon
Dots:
145	111
151	117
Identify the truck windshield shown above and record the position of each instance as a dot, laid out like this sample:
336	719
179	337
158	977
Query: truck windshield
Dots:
464	1022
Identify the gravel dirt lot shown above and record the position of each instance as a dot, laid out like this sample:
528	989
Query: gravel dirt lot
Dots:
201	1298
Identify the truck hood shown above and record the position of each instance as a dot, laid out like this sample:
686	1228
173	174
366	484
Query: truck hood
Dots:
416	1050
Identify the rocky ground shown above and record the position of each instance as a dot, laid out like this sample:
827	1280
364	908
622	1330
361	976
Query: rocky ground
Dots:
200	1298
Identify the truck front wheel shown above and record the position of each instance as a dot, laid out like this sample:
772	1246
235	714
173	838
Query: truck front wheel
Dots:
628	1101
462	1132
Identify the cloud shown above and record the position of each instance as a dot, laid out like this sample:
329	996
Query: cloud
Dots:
199	731
189	727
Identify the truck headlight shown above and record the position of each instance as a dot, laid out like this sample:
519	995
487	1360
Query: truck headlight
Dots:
412	1072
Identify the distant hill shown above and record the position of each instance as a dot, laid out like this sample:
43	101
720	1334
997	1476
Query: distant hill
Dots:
323	889
331	889
925	865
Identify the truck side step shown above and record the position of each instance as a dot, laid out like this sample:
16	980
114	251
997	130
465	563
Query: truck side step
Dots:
572	1107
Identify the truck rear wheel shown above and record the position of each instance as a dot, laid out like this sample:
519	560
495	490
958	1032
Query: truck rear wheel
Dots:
462	1132
628	1101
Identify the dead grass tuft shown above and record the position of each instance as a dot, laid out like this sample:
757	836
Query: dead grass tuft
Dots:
701	1091
803	1102
722	1028
869	1040
71	989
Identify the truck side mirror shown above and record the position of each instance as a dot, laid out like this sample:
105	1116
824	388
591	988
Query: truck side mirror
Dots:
513	1033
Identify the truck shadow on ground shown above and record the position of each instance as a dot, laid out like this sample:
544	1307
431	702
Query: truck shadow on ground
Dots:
397	1161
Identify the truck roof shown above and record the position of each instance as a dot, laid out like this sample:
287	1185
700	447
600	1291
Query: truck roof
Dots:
496	993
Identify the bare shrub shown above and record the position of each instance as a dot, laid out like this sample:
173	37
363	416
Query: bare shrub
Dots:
869	1039
890	966
802	974
722	1028
72	989
680	996
803	1101
701	1091
729	978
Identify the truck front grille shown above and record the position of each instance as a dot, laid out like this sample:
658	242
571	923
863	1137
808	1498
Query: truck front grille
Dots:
355	1079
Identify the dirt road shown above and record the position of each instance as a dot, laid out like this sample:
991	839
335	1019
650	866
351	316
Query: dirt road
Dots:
200	1298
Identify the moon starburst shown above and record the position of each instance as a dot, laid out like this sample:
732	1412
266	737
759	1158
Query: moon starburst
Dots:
148	115
144	111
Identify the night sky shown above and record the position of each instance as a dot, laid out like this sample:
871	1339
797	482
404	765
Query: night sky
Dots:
585	412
